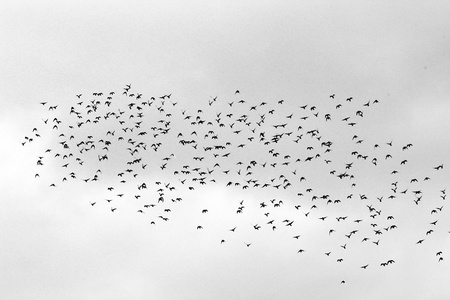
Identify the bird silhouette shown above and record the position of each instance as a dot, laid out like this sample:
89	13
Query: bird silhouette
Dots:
266	149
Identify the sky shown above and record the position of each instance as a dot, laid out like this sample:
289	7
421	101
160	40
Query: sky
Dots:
55	244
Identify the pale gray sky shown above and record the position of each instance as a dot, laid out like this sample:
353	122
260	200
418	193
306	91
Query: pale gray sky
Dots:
55	245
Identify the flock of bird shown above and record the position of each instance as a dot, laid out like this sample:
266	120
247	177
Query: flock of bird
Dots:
151	151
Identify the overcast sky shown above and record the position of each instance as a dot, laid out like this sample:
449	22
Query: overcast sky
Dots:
55	245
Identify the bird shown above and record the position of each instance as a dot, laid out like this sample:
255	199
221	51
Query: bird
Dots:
267	147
